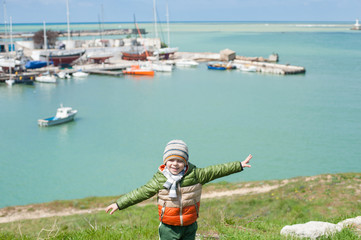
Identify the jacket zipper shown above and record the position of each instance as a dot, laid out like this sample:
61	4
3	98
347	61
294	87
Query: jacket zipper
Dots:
196	205
180	205
162	214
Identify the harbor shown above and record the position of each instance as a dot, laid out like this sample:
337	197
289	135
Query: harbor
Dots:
289	121
110	61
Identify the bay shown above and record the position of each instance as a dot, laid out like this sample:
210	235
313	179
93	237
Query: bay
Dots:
294	125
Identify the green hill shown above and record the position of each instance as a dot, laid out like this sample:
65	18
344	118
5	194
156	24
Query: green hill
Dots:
247	210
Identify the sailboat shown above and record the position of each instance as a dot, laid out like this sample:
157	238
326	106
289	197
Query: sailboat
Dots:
10	81
8	63
63	58
137	69
47	77
162	53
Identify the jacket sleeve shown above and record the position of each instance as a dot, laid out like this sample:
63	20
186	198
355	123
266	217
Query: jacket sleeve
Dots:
207	174
138	195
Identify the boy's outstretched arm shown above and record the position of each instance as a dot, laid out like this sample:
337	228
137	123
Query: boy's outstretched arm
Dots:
246	161
207	174
113	207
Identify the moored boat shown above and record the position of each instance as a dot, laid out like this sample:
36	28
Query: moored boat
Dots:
63	75
164	53
220	66
137	70
24	79
46	78
245	67
80	74
62	58
36	64
134	56
99	57
63	114
186	63
10	82
162	67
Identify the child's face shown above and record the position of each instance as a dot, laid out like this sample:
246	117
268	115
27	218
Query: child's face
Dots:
175	166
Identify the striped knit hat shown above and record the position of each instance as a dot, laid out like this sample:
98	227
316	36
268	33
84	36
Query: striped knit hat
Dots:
176	149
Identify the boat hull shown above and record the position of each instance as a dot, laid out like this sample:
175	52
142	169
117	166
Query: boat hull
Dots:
63	58
216	68
220	66
134	56
55	121
35	64
139	72
46	79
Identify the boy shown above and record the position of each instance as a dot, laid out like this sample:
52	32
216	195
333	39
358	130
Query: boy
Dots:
178	184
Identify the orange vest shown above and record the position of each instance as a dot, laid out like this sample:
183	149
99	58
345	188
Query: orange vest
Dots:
180	211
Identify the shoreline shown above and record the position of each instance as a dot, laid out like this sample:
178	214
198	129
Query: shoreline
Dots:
152	22
211	191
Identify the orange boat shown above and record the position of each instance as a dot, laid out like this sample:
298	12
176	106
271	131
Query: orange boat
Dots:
136	70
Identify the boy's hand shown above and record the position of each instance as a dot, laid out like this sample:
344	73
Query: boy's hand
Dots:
113	207
246	161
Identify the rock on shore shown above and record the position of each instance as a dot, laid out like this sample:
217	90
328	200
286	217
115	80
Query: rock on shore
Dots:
316	229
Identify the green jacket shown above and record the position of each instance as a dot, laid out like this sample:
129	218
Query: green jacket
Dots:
192	176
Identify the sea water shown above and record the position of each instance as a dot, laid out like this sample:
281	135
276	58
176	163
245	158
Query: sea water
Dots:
293	125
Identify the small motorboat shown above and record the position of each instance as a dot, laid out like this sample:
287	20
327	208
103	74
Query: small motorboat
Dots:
220	66
186	63
80	74
162	67
10	82
63	115
245	67
63	75
46	78
137	70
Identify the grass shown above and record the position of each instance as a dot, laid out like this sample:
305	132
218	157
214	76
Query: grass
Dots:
330	198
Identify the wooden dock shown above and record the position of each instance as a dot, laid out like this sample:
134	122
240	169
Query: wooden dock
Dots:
104	72
274	68
6	76
263	65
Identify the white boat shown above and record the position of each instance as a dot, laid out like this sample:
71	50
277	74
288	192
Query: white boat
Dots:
10	82
162	67
63	75
46	78
63	114
357	26
245	67
80	74
186	63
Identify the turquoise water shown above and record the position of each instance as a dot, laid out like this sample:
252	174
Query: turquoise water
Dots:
297	125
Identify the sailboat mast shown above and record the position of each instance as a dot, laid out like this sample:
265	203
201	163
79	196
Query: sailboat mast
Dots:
45	38
11	34
168	25
155	19
5	24
11	46
67	19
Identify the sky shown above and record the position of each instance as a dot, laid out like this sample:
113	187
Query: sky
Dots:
50	11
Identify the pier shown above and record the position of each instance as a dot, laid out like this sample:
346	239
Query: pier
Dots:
115	65
263	65
81	33
104	72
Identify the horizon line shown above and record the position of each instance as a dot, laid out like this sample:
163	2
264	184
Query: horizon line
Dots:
199	21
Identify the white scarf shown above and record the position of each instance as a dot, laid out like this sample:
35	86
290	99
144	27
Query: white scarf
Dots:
172	180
